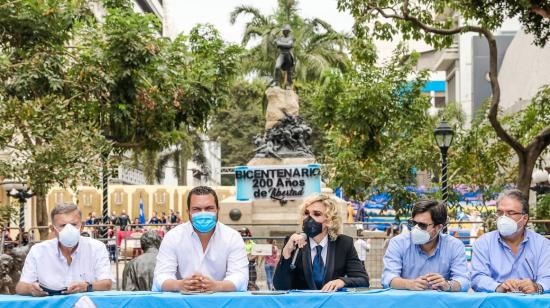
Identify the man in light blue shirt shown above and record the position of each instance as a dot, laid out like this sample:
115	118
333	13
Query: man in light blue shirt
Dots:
512	258
426	259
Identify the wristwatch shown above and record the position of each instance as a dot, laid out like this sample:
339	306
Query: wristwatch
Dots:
540	289
90	287
450	283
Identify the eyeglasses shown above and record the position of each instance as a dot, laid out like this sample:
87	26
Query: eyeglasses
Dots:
314	213
421	225
509	213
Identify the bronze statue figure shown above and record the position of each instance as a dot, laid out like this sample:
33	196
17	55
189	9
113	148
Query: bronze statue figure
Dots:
285	60
6	265
287	138
18	254
138	273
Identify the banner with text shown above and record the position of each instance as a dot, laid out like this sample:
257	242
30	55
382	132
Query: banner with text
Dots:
277	182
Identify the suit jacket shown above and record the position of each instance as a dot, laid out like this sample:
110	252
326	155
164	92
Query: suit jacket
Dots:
342	262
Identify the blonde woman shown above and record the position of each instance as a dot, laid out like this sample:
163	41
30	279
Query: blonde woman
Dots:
326	260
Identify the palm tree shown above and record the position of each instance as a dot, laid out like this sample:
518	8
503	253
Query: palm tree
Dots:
153	163
318	46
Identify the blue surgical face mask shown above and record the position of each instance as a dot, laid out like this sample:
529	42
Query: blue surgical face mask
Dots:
204	221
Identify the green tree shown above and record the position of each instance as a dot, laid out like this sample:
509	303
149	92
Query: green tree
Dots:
414	20
533	14
149	91
378	127
236	139
42	117
73	89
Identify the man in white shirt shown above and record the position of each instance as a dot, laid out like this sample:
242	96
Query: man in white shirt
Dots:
202	255
68	263
362	248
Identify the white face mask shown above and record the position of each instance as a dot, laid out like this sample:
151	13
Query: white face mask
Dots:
506	225
69	236
419	236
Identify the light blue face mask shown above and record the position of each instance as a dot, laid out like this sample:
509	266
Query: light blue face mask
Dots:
204	221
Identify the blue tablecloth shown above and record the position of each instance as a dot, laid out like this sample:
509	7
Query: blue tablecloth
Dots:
373	298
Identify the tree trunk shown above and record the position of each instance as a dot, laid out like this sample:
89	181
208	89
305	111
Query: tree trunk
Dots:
526	167
527	163
42	216
182	179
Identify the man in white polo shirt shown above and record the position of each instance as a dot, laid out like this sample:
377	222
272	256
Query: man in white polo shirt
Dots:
202	255
68	263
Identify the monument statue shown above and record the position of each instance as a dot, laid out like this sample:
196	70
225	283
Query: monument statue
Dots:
285	60
287	138
138	273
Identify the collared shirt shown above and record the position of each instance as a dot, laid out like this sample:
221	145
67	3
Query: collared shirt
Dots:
406	260
181	255
46	264
493	261
324	244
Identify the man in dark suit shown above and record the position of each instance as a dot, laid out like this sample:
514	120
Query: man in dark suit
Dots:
326	259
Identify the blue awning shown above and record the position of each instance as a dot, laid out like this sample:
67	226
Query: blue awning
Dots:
435	85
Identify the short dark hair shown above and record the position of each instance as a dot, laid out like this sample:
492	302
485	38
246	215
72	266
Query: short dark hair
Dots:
437	210
515	194
64	208
150	239
201	191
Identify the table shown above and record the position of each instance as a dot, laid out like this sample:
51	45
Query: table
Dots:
371	298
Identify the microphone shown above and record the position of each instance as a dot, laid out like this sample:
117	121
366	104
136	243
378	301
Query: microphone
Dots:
293	265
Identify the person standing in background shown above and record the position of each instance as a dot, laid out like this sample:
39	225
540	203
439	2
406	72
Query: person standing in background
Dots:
271	263
154	220
362	248
252	273
173	217
351	213
123	220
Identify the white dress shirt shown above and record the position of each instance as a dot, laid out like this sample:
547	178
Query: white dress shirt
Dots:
181	254
362	248
46	264
313	245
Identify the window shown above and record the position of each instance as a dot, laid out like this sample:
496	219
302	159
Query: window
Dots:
87	199
439	101
161	197
59	197
118	197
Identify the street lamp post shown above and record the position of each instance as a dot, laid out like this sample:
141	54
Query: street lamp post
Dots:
444	138
21	192
542	181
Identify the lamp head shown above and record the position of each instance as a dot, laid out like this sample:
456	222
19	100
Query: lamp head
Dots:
443	134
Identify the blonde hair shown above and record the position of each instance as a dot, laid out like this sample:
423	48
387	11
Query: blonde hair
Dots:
334	219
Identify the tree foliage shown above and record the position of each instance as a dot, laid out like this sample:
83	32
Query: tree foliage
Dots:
236	124
374	117
43	125
145	86
73	88
433	22
534	15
